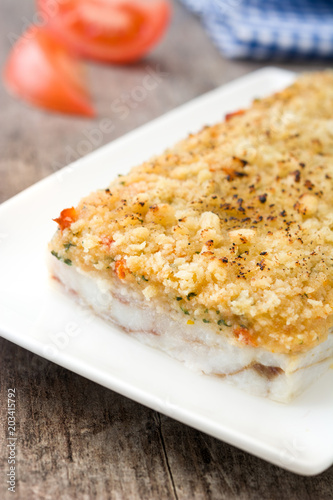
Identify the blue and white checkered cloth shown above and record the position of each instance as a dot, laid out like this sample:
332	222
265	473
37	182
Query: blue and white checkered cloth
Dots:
268	29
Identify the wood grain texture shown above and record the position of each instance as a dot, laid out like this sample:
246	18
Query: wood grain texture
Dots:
77	439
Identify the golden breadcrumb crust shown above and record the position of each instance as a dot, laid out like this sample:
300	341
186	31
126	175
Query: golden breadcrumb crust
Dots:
232	226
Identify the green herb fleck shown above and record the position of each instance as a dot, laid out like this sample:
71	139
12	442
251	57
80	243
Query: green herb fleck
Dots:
122	183
222	322
206	320
57	256
190	295
206	311
185	311
179	298
144	278
68	245
197	253
66	261
217	312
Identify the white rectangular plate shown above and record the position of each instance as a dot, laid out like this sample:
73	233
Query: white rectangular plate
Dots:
35	315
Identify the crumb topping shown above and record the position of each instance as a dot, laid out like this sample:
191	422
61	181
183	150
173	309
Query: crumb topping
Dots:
233	226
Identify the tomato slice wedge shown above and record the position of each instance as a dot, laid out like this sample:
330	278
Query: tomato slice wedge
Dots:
41	71
117	31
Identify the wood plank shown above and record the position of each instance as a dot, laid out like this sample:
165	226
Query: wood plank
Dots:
77	439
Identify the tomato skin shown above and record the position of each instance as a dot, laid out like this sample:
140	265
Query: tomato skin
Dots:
229	116
244	336
41	71
117	31
121	269
107	241
66	218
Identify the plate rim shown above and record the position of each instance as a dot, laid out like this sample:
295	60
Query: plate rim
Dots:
130	391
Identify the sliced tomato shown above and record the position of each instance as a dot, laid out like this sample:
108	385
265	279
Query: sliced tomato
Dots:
41	71
116	31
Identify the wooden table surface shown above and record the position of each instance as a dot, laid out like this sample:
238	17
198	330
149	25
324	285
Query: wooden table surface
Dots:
77	439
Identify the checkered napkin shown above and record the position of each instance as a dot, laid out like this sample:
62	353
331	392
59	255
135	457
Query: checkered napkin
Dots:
268	29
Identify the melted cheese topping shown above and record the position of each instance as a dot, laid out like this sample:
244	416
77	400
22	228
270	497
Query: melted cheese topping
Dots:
233	226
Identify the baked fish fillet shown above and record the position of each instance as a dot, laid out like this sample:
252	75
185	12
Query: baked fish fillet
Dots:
220	251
